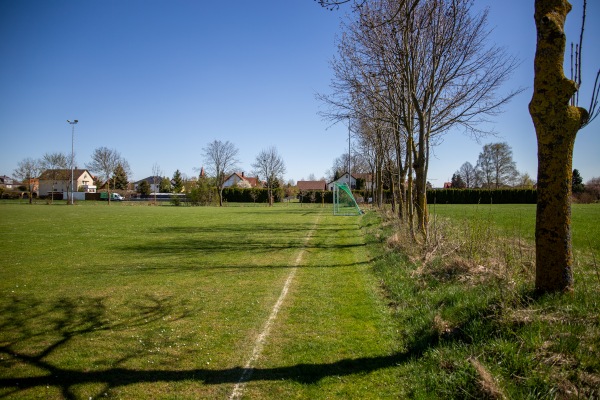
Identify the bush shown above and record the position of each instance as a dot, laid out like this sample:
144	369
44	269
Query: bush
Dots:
176	200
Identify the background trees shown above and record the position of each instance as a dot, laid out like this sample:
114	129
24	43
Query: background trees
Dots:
56	164
220	158
269	164
104	163
27	171
165	185
156	178
177	182
469	174
144	188
577	184
458	182
121	175
497	166
495	169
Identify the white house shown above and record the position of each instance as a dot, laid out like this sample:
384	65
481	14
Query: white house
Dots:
59	180
346	178
367	178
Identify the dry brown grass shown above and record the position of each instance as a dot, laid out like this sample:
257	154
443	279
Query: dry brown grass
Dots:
466	253
487	383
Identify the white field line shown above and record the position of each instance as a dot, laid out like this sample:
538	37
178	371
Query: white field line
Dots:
238	389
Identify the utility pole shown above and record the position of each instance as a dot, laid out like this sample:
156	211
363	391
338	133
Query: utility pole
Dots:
72	155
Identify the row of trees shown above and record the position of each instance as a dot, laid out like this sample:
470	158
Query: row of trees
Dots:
430	61
406	73
221	159
495	169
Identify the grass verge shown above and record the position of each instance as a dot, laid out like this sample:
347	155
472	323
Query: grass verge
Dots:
471	326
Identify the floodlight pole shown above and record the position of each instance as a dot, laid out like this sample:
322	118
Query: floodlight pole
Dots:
72	155
349	179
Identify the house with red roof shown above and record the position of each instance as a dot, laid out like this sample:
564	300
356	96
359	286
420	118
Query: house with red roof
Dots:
311	185
241	180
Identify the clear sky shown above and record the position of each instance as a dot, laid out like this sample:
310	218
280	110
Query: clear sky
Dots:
158	80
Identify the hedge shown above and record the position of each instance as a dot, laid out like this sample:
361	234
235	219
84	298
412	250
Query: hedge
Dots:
320	196
242	195
482	196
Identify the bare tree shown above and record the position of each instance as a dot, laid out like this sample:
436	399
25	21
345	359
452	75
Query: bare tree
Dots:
468	173
593	188
220	159
524	181
104	163
55	165
420	68
497	166
156	178
270	165
557	119
27	172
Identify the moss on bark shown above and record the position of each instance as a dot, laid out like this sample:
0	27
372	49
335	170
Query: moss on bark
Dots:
556	124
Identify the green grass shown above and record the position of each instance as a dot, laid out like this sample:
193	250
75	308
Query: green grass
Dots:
519	220
472	327
167	302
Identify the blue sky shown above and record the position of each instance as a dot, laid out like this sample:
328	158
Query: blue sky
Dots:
158	80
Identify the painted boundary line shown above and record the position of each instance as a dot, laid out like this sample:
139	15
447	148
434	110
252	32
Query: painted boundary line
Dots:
238	389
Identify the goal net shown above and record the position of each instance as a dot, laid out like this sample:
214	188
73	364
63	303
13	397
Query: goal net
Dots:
343	200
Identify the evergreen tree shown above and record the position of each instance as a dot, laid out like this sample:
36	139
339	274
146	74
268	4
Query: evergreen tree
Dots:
177	182
120	179
577	185
457	181
144	188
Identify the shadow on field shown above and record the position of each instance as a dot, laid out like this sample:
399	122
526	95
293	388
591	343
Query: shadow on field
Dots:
236	242
42	343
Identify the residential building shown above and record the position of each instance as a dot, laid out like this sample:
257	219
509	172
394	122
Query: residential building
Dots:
153	181
241	180
311	185
366	178
59	180
346	178
7	182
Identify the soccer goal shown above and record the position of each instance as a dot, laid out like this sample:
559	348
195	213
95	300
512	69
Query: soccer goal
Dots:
343	200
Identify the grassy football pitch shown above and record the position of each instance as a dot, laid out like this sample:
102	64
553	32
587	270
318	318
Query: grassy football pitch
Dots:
189	302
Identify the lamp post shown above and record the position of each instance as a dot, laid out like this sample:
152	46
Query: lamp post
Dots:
72	154
349	176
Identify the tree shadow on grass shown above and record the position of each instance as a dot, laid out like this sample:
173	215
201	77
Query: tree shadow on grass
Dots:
34	333
233	241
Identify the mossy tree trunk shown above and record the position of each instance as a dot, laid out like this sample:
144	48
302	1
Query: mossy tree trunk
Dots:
556	125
